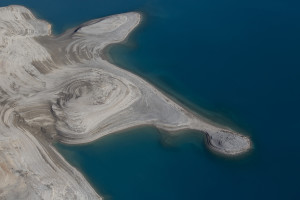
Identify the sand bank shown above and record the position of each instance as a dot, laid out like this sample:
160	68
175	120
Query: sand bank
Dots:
60	88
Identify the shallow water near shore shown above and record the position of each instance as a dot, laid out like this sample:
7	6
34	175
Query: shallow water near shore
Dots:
238	62
144	163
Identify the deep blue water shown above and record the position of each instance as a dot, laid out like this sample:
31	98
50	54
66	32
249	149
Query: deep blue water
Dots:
237	60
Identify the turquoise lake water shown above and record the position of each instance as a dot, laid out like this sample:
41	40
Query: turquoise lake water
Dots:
235	61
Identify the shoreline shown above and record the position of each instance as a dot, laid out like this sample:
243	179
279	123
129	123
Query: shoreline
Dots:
205	114
59	88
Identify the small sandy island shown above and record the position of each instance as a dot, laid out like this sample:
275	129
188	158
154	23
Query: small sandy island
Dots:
60	88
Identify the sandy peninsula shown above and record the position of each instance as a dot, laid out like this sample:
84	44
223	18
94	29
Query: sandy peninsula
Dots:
60	88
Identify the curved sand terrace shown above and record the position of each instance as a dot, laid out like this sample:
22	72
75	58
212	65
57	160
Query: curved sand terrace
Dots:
60	88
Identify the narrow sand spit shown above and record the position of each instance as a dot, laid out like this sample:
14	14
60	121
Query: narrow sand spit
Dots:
61	89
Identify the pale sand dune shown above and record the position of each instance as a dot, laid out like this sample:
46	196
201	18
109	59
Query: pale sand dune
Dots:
61	88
